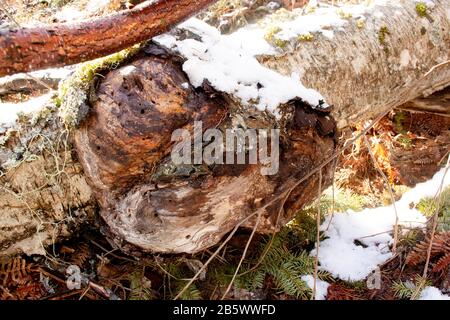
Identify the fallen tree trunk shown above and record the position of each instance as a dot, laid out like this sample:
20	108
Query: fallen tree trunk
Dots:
150	204
394	57
58	45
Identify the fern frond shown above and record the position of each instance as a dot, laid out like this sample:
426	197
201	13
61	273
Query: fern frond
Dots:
15	270
443	263
441	245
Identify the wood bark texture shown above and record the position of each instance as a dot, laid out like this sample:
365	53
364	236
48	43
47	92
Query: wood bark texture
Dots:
56	45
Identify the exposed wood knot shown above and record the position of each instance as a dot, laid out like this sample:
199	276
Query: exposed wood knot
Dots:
153	205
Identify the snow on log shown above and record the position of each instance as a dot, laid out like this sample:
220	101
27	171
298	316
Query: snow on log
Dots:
362	62
379	58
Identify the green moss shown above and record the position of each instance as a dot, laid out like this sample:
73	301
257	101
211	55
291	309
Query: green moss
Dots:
271	32
280	43
358	285
399	118
271	37
382	33
58	3
405	141
344	14
74	92
305	37
421	9
360	23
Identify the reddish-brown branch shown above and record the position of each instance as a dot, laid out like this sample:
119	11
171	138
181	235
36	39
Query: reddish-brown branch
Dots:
56	45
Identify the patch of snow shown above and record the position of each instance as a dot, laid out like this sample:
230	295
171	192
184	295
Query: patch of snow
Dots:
73	13
95	5
317	22
345	258
429	3
53	72
378	14
9	111
229	62
321	286
126	71
358	63
433	293
70	13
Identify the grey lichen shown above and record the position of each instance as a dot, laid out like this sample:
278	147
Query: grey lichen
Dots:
20	155
43	114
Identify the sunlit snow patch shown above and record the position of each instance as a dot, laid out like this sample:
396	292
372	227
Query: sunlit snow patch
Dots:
321	286
347	260
433	293
229	63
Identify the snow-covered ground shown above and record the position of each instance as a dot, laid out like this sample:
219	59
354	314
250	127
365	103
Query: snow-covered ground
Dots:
433	293
321	286
342	254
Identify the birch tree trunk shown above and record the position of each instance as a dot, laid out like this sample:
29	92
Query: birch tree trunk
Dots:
123	147
394	57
